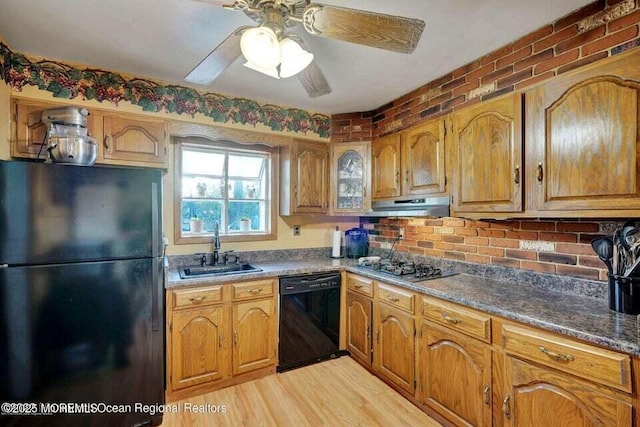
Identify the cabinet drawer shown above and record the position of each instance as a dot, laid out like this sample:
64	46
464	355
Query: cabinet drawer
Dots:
249	290
469	322
595	364
396	297
359	284
197	296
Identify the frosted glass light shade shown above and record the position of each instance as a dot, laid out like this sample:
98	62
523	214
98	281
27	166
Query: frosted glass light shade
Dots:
273	71
294	58
260	47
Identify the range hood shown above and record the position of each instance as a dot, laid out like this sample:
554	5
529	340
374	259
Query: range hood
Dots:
422	206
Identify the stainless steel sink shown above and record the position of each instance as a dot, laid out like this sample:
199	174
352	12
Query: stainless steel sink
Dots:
215	270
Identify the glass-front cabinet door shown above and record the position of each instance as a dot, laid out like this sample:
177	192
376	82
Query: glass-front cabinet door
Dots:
350	189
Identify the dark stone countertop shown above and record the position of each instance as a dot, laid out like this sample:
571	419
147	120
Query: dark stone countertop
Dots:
582	317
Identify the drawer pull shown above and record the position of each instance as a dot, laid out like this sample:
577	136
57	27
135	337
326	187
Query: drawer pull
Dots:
358	286
450	319
505	407
556	356
197	300
255	291
485	393
392	298
235	338
220	341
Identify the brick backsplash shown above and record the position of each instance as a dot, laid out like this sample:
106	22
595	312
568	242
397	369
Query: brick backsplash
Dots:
548	246
594	32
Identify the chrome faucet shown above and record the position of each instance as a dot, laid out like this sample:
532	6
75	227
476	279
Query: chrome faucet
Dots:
216	244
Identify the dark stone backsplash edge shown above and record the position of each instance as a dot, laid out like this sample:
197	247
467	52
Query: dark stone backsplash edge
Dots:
565	284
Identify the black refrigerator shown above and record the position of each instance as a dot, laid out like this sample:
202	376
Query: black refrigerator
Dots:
81	295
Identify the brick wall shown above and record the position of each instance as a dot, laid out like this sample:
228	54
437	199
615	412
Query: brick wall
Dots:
557	247
598	30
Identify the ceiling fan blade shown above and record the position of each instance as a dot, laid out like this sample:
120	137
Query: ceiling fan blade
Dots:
218	60
389	32
313	81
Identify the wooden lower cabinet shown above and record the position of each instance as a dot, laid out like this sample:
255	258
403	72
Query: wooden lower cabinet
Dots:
543	397
214	340
254	325
359	327
394	346
455	375
198	341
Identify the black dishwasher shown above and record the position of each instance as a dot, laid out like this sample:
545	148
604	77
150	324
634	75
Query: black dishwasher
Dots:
309	319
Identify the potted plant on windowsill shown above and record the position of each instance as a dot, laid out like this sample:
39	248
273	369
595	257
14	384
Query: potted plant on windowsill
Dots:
245	224
195	224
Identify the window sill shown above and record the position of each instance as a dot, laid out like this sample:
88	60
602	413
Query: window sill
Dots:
187	239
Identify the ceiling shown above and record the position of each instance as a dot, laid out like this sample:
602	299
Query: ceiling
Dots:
165	39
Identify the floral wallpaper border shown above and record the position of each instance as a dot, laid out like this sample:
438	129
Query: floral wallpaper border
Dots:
65	81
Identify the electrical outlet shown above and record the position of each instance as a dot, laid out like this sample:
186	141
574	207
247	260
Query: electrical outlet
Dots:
401	233
296	230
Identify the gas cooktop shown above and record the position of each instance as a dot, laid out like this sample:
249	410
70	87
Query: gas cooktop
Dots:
409	271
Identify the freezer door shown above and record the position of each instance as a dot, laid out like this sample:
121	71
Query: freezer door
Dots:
89	332
65	213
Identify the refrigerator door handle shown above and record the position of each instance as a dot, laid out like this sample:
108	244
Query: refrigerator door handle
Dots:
155	304
156	238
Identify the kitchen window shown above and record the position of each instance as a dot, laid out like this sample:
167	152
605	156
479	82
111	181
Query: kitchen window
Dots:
226	183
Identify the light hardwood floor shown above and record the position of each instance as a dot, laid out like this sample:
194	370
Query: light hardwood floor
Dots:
337	392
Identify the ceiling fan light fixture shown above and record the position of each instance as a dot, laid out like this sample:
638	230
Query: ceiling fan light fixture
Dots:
260	47
271	72
294	58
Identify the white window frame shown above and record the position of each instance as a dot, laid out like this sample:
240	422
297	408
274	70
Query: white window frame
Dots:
269	198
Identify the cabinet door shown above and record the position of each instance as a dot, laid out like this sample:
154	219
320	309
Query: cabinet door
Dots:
394	351
199	346
254	335
583	140
423	159
539	397
487	156
455	375
350	178
310	177
29	132
385	167
359	327
135	140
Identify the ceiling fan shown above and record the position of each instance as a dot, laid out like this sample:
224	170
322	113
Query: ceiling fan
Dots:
269	48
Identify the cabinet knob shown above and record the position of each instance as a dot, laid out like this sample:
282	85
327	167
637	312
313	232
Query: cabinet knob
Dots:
392	298
255	291
485	393
516	175
197	300
450	319
398	177
220	341
540	175
235	338
505	407
107	141
406	176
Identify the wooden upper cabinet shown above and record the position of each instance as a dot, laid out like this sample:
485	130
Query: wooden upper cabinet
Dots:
350	177
133	139
583	140
385	167
487	156
305	178
539	397
423	158
410	163
28	133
